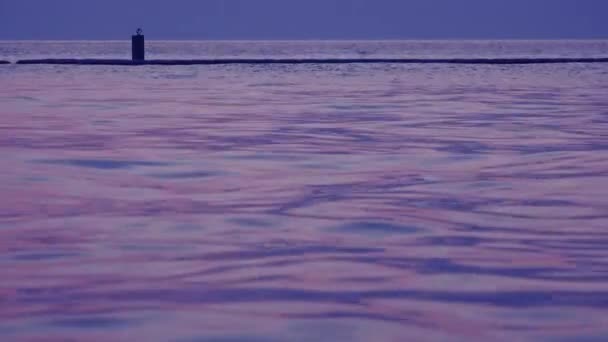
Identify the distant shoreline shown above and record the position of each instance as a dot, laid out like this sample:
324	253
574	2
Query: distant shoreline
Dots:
316	40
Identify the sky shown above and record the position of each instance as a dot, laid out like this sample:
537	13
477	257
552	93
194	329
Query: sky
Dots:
304	19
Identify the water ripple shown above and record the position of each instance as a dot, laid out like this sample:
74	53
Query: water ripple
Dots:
305	203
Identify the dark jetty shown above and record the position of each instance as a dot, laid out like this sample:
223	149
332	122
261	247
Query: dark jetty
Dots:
5	62
489	61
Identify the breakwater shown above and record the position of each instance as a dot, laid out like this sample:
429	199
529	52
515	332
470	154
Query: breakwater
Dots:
487	61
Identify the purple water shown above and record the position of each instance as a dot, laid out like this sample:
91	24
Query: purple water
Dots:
304	203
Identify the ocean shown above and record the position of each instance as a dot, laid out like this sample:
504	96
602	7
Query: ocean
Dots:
375	202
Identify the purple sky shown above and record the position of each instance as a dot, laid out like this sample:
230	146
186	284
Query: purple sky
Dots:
303	19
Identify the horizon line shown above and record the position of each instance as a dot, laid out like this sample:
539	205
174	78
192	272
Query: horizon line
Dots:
127	38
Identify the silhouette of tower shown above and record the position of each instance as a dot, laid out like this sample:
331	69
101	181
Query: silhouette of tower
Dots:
138	46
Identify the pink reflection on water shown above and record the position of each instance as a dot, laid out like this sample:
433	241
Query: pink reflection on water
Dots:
378	202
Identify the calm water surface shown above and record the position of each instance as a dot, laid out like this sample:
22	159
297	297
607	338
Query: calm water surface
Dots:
304	203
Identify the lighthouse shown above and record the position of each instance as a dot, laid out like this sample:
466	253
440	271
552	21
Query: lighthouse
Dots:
138	46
